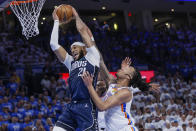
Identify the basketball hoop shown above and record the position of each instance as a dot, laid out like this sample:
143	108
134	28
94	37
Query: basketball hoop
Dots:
28	12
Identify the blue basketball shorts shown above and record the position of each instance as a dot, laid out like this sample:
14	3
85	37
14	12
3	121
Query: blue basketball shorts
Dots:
80	115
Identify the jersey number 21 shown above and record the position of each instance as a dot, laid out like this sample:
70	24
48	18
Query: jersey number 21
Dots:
81	71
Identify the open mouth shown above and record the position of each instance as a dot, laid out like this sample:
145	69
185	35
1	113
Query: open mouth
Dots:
75	55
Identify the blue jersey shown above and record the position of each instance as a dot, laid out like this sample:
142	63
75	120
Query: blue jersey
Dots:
15	127
30	124
90	63
17	114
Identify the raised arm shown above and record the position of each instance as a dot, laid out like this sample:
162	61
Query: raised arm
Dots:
83	30
60	52
88	39
105	74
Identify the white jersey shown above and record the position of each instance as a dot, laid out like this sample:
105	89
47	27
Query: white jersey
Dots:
118	118
101	119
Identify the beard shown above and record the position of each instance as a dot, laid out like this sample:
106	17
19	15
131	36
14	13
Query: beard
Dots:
81	54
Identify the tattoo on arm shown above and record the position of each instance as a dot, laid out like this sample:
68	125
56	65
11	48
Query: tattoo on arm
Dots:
105	74
84	32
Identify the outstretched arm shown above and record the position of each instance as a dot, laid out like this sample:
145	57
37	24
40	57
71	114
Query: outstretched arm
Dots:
83	30
122	96
105	74
60	52
88	39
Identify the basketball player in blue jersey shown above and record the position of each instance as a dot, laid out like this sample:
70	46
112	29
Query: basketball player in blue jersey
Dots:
81	112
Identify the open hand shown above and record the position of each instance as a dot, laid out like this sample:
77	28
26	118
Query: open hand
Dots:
126	62
88	79
54	15
75	13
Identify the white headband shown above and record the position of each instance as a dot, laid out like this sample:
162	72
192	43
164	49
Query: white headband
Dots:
78	43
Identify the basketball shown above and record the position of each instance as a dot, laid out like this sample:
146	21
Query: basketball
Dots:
64	12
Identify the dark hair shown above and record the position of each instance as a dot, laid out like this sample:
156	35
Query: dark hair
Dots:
137	82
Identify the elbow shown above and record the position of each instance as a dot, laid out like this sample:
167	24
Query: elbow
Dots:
54	46
51	43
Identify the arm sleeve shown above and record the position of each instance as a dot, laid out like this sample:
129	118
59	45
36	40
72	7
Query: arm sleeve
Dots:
93	56
68	61
55	36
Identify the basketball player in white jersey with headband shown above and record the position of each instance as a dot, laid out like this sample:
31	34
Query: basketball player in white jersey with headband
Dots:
119	96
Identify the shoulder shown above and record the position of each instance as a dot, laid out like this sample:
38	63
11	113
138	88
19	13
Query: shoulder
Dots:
93	56
124	94
124	91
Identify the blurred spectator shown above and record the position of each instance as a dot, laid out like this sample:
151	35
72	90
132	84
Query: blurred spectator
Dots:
60	90
53	85
106	27
190	126
175	126
12	86
28	124
14	125
16	78
45	83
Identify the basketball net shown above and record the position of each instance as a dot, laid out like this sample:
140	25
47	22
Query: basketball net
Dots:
28	12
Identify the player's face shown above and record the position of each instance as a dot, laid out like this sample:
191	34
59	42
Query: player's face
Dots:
77	52
100	87
126	72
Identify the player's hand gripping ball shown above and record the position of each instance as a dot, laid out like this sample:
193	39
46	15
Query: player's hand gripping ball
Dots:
64	13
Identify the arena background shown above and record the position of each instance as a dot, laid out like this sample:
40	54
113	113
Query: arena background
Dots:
159	36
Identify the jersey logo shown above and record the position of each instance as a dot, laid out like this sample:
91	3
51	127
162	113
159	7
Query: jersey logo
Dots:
86	105
78	64
114	90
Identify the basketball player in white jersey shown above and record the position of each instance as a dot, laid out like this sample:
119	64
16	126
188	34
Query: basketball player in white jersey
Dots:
118	98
